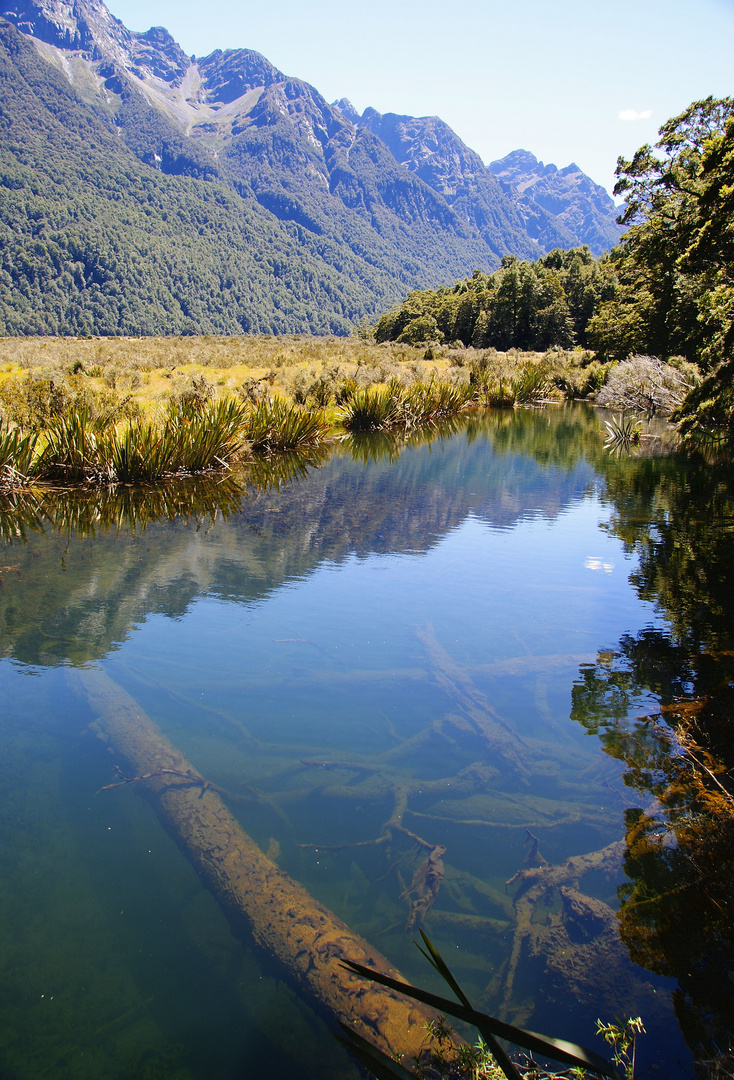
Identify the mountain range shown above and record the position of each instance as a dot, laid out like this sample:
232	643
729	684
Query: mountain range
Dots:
143	190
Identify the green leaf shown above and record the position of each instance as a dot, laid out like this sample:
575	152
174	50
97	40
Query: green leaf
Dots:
436	961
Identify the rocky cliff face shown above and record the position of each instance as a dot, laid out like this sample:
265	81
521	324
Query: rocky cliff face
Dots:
548	207
226	101
559	207
431	150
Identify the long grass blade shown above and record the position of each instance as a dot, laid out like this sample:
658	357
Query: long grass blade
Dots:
434	958
558	1049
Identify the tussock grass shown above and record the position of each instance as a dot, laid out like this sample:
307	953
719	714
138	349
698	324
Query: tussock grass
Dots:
277	425
375	408
378	408
191	436
205	435
16	453
438	399
68	448
140	454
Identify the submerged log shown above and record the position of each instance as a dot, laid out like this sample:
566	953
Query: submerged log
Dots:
567	947
424	886
500	737
262	903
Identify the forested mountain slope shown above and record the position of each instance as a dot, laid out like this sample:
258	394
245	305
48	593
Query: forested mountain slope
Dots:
145	191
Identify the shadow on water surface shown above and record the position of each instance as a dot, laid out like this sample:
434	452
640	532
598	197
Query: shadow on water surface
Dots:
368	654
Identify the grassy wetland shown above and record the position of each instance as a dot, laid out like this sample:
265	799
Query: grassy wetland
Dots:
125	410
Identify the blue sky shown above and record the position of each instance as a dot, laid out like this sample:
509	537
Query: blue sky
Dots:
570	80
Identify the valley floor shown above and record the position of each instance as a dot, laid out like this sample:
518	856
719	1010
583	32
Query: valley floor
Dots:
139	374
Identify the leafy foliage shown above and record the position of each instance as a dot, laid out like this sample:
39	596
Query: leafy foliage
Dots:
523	305
16	453
663	703
277	425
191	436
675	284
622	1037
380	407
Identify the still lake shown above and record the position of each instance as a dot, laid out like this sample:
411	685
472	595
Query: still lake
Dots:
399	625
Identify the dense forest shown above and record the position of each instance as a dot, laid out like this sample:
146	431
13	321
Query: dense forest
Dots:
251	206
523	305
667	289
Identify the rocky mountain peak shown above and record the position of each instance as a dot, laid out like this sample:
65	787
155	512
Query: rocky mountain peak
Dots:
520	163
229	74
391	201
427	146
156	53
347	110
81	25
558	204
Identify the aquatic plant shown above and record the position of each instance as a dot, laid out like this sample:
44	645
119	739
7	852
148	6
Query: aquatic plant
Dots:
205	434
276	425
623	432
490	1029
69	447
492	390
394	405
374	408
141	453
622	1037
437	399
194	434
530	384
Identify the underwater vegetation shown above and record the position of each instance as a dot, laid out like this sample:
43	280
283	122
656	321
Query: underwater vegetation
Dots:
416	809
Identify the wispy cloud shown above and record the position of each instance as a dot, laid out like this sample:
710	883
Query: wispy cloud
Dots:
633	114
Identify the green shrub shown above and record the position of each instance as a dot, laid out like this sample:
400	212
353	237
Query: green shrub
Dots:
374	408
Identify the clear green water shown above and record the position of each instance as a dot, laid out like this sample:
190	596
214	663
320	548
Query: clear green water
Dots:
312	650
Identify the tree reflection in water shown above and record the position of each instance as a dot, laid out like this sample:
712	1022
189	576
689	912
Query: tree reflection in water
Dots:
677	916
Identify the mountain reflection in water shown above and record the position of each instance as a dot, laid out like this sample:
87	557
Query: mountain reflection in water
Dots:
363	649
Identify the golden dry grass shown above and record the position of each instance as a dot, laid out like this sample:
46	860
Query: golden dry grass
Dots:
152	369
145	373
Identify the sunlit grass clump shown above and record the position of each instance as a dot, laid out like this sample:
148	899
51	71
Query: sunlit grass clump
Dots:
127	411
274	424
374	408
382	407
16	452
496	386
192	435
